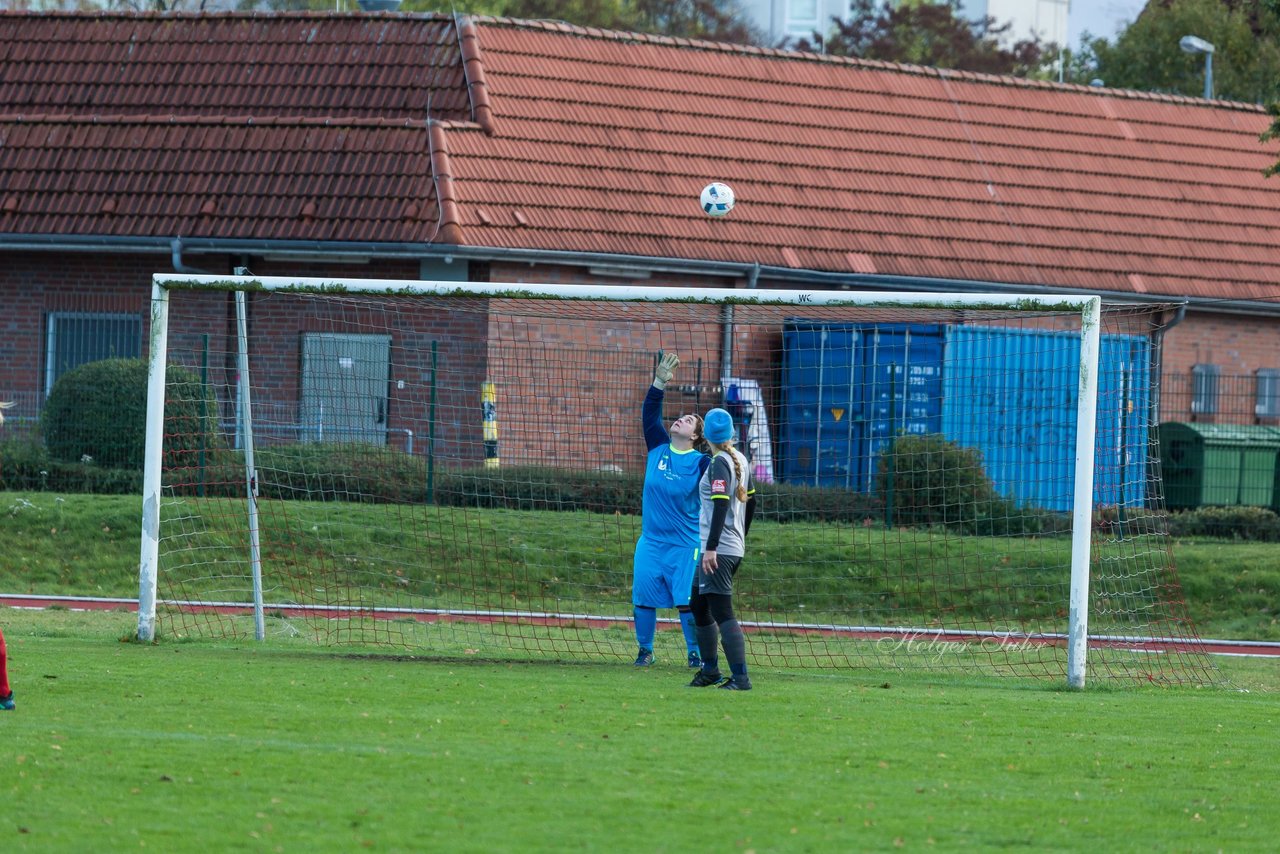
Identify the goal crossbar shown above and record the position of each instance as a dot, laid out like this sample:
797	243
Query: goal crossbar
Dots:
634	293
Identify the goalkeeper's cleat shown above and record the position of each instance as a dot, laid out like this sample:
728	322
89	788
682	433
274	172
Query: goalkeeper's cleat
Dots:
7	704
695	660
644	658
737	683
703	679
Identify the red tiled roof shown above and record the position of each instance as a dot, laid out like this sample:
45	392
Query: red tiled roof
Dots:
599	142
289	64
603	142
286	179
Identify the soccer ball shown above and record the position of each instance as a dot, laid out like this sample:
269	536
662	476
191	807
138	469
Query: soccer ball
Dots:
717	199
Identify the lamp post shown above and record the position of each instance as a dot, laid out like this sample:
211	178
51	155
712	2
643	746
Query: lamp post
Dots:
1195	44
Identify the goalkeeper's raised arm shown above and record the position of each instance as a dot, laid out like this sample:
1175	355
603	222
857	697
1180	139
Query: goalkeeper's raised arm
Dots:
655	435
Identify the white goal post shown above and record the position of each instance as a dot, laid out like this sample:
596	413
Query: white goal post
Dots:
760	332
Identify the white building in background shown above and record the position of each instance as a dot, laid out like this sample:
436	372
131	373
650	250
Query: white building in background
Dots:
1045	18
791	19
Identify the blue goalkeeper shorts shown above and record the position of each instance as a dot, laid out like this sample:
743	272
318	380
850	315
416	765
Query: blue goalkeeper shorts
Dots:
662	574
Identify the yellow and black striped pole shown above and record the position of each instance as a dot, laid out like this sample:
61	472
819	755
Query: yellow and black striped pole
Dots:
489	412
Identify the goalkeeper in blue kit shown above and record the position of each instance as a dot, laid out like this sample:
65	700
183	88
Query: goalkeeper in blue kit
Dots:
666	555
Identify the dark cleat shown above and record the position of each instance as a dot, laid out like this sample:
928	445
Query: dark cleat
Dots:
703	679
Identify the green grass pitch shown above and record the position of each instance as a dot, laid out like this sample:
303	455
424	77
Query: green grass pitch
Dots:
281	746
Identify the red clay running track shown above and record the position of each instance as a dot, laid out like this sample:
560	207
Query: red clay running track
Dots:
1211	646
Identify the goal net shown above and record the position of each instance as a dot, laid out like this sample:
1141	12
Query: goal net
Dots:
954	482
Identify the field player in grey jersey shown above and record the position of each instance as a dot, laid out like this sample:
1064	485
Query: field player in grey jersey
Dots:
728	503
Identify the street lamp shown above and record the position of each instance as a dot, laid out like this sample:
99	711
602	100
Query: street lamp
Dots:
1195	44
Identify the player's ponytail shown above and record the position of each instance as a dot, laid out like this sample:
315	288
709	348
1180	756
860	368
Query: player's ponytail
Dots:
727	447
737	469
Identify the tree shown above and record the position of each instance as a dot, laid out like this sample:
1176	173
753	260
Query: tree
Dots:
1273	132
606	14
1246	60
713	20
923	33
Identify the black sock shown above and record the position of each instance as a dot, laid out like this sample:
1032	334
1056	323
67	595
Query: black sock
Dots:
708	640
735	647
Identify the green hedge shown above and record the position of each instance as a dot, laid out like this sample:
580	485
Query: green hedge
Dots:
25	464
1245	524
375	474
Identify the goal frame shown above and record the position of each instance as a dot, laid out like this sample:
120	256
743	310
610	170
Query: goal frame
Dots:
1088	306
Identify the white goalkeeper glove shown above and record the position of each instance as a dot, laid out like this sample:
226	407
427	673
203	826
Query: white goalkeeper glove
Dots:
666	367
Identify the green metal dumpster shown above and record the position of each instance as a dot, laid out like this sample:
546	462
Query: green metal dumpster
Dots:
1218	464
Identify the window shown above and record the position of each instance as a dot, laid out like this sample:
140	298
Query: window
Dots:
75	338
1268	401
802	18
1204	389
447	269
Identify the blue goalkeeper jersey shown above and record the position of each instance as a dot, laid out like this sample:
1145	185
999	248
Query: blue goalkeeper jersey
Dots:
671	504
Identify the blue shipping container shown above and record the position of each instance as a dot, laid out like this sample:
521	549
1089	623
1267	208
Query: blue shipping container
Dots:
1012	394
847	389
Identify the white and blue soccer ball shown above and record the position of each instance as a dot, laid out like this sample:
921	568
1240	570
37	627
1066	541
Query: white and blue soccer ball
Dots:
717	199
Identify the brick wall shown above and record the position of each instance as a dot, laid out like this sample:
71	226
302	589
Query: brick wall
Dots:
33	285
1239	345
569	385
571	380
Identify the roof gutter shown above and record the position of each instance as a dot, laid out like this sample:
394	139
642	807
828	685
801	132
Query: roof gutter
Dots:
749	272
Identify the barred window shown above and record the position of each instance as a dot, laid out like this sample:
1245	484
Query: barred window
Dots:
1268	401
75	338
1204	389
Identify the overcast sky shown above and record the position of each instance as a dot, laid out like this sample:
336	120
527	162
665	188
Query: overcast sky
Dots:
1100	17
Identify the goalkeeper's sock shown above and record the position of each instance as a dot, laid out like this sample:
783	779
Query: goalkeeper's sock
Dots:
708	641
646	626
690	632
735	647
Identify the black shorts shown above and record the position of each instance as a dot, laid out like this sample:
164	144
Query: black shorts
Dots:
721	581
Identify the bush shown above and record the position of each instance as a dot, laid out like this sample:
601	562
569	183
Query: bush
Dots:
928	480
97	412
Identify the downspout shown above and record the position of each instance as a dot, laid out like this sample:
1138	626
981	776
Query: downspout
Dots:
175	249
1154	474
1157	362
726	331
